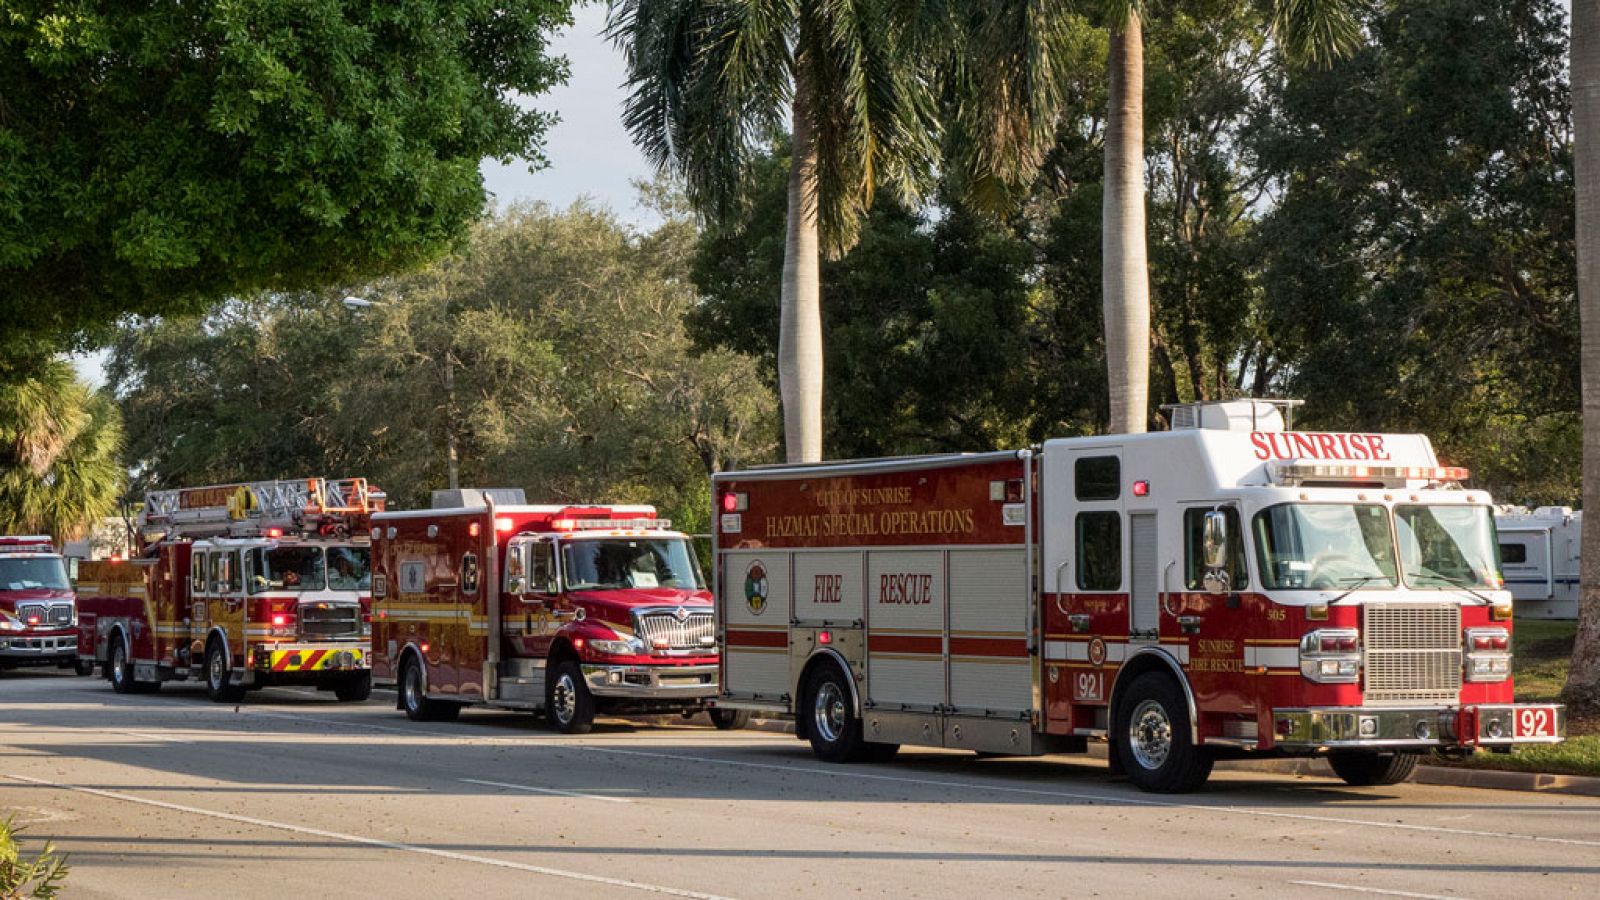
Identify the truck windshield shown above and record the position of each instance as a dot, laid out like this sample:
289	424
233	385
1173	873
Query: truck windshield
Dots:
349	568
285	568
605	564
33	573
1444	547
1325	546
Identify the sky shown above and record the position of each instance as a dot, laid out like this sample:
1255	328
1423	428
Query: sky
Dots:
589	152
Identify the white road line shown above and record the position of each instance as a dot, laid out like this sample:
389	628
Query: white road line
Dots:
843	772
540	790
156	737
370	842
1366	890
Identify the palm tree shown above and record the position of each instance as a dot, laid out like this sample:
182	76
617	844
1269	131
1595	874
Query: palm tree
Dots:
860	86
1583	678
1310	31
60	444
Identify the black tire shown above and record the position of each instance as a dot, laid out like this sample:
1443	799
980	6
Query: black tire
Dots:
1151	736
83	667
415	701
354	688
833	727
568	705
219	676
119	671
730	719
1365	769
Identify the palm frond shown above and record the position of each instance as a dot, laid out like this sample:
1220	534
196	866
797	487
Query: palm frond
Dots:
1315	32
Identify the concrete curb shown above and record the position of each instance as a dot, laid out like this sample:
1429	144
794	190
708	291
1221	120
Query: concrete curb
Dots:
1449	776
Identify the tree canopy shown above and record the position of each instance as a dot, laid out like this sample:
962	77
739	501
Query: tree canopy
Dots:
156	157
60	454
549	353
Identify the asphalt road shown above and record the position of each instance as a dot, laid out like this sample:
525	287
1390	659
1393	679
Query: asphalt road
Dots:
294	794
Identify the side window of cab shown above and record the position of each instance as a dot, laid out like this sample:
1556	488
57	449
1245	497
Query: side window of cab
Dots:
542	568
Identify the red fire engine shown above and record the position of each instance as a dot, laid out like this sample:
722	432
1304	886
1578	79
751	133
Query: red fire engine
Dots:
569	609
38	618
243	585
1226	588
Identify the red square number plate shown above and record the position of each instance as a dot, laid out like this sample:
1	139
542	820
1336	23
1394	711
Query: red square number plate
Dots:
1535	722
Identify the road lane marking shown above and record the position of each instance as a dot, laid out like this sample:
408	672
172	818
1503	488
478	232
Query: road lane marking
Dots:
156	737
369	842
540	790
842	772
1366	890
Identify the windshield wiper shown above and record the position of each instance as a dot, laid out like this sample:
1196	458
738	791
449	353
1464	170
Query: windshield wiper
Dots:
1359	582
1456	583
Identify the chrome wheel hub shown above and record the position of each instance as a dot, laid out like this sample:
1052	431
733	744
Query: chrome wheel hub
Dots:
564	699
1150	734
219	671
830	712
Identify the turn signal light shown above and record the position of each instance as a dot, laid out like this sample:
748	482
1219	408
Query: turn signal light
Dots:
1491	640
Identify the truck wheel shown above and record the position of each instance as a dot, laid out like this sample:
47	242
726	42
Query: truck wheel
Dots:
354	688
567	702
834	728
217	676
120	671
730	719
1152	737
414	698
1362	769
83	666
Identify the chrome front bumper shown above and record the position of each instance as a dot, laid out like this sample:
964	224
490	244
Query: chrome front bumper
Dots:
652	682
20	647
1419	728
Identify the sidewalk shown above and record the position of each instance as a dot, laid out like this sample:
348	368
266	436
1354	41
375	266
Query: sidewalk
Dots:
1453	776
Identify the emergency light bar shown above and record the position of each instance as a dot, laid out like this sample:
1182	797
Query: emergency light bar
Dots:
588	524
1295	473
31	543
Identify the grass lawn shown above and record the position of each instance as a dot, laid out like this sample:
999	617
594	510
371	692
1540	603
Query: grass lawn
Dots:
1541	650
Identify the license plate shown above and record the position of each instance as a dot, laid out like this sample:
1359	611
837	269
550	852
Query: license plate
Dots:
1535	722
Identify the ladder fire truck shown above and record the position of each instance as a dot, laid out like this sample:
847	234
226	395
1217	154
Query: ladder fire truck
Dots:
241	585
38	618
1227	588
573	610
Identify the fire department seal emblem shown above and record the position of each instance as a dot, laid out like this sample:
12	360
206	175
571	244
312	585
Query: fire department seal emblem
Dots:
755	588
1097	651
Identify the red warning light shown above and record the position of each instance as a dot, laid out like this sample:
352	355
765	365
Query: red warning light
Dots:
730	503
1141	488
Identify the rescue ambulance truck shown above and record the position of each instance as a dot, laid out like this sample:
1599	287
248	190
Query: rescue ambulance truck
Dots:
1540	550
1227	588
572	610
38	618
241	585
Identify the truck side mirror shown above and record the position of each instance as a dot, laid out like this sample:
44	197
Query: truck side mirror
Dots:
72	568
1217	579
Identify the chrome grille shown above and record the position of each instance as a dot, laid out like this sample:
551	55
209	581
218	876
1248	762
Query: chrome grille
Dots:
48	613
1413	652
329	620
692	632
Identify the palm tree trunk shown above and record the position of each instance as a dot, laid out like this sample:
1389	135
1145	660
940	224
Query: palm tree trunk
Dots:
1125	279
1583	679
800	311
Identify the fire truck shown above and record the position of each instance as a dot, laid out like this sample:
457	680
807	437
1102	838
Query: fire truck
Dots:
572	610
38	618
1227	588
240	585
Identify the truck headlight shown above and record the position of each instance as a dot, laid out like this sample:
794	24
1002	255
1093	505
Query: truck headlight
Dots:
1488	654
628	647
1331	656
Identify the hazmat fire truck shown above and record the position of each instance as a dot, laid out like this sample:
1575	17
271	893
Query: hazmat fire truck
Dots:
573	610
1226	588
241	585
38	617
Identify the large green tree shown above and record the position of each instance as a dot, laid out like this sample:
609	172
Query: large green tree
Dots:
861	86
1418	266
60	445
157	156
548	353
